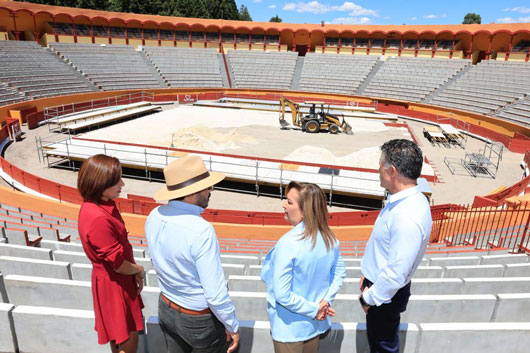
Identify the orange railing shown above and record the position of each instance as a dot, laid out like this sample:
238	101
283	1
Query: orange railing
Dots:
483	228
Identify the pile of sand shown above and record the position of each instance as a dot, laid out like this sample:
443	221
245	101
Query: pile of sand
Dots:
203	138
367	157
366	125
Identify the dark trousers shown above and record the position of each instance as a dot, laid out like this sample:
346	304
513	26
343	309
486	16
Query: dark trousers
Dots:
382	322
185	333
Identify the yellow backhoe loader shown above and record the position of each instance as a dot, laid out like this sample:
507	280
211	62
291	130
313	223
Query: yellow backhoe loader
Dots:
314	121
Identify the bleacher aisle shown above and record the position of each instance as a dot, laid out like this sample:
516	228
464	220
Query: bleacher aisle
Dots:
110	67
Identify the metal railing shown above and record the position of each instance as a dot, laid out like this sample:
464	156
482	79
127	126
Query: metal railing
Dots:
483	228
55	112
153	160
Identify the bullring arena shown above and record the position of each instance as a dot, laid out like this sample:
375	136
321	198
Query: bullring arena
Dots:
213	88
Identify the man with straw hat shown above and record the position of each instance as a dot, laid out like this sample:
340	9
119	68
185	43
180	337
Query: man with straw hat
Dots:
194	308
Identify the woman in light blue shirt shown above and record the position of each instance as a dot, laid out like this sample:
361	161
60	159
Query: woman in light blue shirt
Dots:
303	272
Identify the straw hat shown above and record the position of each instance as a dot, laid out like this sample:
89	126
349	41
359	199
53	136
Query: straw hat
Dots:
185	176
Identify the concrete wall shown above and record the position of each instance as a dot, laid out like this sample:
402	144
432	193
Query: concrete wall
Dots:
44	268
513	307
8	342
43	329
70	294
3	293
81	272
49	292
474	337
255	337
25	251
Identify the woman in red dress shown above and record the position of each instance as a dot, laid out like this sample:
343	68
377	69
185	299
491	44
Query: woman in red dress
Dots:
116	279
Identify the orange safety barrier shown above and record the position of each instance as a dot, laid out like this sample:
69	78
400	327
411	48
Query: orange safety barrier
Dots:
482	228
500	197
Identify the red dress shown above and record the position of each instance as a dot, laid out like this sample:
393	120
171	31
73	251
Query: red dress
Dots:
117	306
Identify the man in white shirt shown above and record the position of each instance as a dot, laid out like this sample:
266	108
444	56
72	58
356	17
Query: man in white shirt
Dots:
194	309
396	246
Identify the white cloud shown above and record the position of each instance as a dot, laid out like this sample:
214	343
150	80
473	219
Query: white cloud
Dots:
313	7
443	15
354	9
505	20
352	20
316	7
256	1
430	17
414	18
524	19
272	6
520	9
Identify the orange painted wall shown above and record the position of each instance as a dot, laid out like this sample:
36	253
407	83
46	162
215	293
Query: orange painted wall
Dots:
135	224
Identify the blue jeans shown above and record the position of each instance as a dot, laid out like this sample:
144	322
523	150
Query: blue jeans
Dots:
185	333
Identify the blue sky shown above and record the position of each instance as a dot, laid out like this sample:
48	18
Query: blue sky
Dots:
388	11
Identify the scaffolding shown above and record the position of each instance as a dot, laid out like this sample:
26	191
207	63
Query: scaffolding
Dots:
485	162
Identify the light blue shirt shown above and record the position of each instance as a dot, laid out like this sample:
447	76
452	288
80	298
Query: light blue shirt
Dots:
397	244
185	254
298	277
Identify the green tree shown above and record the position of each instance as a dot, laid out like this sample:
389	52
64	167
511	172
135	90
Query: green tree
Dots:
92	4
228	10
213	8
275	19
471	18
152	6
184	7
244	15
200	10
167	8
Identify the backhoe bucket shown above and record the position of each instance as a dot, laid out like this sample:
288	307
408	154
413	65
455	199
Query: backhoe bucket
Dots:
347	128
283	122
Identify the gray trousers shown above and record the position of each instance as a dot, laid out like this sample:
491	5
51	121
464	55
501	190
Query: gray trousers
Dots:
185	333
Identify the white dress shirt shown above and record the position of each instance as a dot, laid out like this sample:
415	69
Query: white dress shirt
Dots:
397	244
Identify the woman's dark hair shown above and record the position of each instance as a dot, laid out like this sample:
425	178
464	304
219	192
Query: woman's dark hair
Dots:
98	173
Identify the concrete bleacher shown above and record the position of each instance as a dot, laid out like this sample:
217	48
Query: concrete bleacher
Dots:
518	112
487	87
36	72
412	79
464	305
60	292
22	227
112	67
351	337
9	95
256	69
482	291
186	67
334	73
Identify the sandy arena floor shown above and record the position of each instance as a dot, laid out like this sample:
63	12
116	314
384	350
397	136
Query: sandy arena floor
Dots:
254	133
